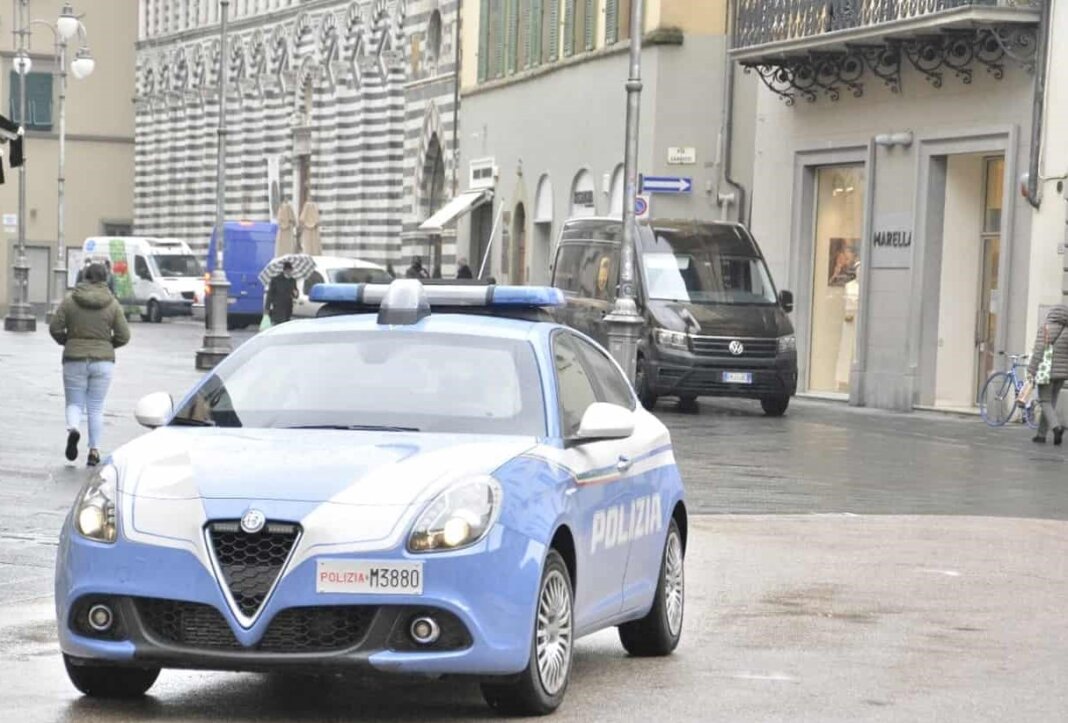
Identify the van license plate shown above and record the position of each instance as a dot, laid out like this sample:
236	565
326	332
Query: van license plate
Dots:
737	378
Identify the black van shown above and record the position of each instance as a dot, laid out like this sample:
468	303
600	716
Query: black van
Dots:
714	323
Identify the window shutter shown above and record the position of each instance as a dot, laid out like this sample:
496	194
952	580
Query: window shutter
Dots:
569	28
501	22
554	27
526	32
591	25
536	22
611	22
483	41
511	35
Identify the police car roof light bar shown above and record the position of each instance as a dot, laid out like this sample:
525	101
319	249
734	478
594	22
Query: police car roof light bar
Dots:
404	303
515	297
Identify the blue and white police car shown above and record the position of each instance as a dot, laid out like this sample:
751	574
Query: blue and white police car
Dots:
466	492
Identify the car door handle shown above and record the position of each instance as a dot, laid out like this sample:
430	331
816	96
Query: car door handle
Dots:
624	463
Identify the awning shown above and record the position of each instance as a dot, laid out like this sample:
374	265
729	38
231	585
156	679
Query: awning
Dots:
462	204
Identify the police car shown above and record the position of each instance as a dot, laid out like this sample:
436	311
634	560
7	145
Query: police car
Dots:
445	485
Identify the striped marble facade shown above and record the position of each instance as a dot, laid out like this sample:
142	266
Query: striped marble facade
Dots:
361	78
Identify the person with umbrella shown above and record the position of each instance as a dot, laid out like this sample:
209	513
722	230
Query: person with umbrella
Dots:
281	294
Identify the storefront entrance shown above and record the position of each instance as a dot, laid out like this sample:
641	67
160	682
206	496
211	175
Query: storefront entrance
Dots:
839	217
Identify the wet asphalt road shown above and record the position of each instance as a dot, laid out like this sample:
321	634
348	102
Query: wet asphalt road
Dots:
758	662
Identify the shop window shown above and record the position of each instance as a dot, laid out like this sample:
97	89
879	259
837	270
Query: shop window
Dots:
836	276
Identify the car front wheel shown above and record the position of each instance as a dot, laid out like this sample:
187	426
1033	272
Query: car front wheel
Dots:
658	633
108	681
540	688
775	406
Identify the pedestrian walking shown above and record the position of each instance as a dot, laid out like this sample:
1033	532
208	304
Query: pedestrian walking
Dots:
416	270
90	325
1049	369
281	293
463	271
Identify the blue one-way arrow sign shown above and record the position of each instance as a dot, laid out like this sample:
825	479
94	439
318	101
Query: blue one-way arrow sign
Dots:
667	184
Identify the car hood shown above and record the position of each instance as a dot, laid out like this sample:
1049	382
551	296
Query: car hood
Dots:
345	467
741	320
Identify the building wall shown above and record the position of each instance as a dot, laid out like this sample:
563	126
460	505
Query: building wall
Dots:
358	78
99	147
567	117
896	357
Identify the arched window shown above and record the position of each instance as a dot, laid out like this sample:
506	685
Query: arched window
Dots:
433	37
583	196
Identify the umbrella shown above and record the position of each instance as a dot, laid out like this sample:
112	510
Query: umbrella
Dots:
303	265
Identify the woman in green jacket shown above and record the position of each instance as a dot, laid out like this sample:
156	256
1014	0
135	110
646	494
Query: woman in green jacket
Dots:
90	325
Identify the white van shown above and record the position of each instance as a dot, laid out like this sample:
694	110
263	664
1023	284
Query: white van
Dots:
155	277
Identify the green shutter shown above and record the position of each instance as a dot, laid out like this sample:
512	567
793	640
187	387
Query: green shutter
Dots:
511	35
554	24
483	41
611	22
501	23
569	28
591	24
526	31
536	22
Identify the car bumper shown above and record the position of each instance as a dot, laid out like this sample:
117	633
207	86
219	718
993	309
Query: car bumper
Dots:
176	307
681	373
485	594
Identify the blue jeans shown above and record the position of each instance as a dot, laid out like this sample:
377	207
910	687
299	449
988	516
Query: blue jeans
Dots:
86	385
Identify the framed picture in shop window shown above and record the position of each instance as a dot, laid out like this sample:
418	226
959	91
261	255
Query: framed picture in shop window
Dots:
844	258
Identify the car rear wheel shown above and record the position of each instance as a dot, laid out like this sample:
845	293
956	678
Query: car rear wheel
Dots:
775	406
108	681
155	314
658	633
540	688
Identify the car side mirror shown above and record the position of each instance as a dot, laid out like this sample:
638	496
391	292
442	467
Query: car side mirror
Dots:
153	410
786	301
603	421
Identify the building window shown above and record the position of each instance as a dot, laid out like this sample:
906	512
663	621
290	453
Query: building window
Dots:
579	24
548	45
38	100
433	38
491	40
524	20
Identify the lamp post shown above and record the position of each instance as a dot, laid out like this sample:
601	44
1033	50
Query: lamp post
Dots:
20	316
66	28
217	342
625	323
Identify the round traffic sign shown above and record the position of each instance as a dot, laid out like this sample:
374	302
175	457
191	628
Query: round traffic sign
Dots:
641	206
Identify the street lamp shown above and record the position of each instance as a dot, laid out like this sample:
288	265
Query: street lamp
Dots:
625	323
66	28
20	316
217	342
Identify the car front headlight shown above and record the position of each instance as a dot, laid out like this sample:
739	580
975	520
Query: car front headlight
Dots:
458	517
787	343
671	339
95	515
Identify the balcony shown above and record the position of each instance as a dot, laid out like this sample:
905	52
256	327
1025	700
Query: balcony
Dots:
815	48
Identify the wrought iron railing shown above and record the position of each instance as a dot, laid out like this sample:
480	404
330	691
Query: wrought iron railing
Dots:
758	22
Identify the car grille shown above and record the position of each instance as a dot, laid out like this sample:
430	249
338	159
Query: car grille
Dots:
189	295
250	563
719	346
294	630
710	382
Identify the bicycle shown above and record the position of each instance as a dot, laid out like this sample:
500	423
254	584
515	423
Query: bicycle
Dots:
1000	397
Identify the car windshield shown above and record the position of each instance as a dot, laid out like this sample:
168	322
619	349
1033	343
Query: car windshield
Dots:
178	265
395	380
709	266
359	276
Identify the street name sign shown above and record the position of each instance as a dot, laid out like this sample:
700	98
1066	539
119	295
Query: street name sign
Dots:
667	184
682	155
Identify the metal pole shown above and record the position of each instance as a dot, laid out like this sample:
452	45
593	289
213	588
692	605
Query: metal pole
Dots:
217	341
60	270
20	316
624	323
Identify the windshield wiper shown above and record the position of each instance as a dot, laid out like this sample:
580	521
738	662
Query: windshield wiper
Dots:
189	422
358	427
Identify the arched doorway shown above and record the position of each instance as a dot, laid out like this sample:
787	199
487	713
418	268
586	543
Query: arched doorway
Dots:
541	251
583	195
519	241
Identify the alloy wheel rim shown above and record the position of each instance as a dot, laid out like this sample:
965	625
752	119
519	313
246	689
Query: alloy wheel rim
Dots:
674	583
554	636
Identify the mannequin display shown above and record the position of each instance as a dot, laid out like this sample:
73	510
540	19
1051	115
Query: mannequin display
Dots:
286	243
849	334
310	242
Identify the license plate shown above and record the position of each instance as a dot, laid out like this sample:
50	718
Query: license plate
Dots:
737	378
369	577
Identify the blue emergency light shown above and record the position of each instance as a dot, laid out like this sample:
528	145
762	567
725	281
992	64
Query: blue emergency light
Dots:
405	301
